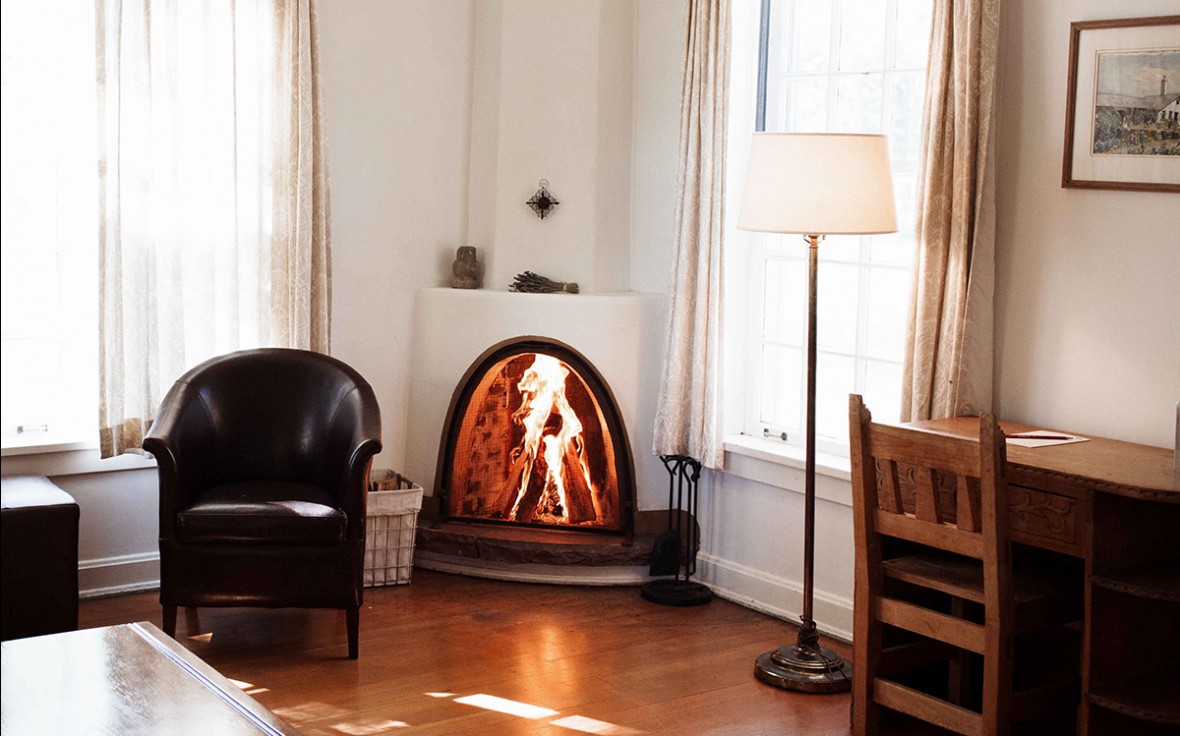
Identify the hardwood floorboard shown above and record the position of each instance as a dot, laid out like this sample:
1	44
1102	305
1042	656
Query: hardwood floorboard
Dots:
561	659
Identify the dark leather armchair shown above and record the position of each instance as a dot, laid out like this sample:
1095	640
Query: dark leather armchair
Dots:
263	458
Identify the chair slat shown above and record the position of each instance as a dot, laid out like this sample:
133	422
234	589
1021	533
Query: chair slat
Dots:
967	504
954	631
928	708
926	449
943	537
954	576
926	496
888	491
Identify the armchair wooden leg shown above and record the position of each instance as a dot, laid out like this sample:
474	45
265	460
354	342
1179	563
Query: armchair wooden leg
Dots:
170	621
353	615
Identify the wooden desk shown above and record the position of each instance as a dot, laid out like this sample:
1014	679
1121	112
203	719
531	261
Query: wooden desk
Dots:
1117	506
129	679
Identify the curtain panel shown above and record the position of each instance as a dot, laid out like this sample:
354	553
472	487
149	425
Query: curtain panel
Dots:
947	368
688	416
213	197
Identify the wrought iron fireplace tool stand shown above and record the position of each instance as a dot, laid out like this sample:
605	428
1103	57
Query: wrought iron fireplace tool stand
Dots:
683	537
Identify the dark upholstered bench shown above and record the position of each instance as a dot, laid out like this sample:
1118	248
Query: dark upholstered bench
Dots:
38	558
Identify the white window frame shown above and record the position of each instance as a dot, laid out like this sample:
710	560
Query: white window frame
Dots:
64	301
754	251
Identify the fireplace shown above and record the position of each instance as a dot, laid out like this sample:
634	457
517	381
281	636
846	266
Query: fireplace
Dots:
534	438
606	340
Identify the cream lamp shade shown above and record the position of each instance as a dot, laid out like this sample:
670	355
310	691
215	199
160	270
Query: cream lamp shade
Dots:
818	184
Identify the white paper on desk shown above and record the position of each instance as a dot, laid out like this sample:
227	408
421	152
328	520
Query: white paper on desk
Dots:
1030	439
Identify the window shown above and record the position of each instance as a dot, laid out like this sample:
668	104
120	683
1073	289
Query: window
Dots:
48	184
847	66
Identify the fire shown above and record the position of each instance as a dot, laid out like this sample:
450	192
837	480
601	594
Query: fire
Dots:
552	443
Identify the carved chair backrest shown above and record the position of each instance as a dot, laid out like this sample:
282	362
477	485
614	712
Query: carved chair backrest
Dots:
929	488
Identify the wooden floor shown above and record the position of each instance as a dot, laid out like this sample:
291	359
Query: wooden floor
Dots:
449	655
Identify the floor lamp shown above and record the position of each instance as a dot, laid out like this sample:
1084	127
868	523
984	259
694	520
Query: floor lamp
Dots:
814	185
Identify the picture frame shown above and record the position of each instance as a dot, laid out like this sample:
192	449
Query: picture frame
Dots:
1122	122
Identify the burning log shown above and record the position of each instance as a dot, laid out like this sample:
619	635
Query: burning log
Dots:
522	463
527	508
579	497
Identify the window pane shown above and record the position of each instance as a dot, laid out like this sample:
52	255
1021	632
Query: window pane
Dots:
48	227
889	291
913	33
899	247
805	106
841	248
862	35
30	301
833	382
789	245
837	308
781	389
785	301
906	116
811	35
858	104
882	390
31	371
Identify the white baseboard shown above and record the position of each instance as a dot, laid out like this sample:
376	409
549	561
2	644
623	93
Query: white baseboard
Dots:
106	576
773	595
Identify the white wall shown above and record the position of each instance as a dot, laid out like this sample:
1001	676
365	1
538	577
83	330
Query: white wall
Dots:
659	65
552	100
397	95
1087	281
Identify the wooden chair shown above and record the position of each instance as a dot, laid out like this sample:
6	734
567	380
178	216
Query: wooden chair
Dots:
925	563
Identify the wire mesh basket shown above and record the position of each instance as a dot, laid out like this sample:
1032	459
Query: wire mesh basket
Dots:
390	525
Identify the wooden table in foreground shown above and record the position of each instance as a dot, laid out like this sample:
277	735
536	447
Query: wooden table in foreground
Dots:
1116	505
128	679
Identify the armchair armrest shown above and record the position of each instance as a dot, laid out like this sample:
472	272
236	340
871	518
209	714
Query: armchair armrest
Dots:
183	421
358	423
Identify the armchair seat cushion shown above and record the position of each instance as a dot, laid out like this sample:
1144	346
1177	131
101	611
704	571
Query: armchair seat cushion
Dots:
262	512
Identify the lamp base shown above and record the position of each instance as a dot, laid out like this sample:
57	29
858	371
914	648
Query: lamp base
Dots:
805	666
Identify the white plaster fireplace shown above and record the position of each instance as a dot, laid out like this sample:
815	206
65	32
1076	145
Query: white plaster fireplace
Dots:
621	334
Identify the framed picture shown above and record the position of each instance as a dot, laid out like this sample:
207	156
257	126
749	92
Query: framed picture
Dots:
1122	123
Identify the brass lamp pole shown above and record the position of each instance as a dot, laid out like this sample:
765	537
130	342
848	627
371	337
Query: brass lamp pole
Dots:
815	185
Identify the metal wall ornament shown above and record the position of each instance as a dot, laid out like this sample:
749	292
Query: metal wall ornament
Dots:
542	202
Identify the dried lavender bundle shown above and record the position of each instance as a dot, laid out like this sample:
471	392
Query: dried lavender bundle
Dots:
531	283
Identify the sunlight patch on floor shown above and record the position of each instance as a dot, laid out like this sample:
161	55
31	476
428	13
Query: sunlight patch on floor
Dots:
593	725
369	728
309	712
202	637
503	705
440	695
536	713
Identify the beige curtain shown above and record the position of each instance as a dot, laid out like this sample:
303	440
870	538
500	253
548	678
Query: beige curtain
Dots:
213	198
948	363
688	417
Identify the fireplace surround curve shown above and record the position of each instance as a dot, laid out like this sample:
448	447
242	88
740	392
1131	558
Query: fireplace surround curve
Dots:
590	381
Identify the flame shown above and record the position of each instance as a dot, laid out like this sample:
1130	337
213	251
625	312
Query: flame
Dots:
551	430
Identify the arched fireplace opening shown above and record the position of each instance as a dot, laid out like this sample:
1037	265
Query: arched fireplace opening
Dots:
534	438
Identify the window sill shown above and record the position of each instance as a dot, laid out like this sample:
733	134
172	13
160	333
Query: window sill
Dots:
784	466
63	456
